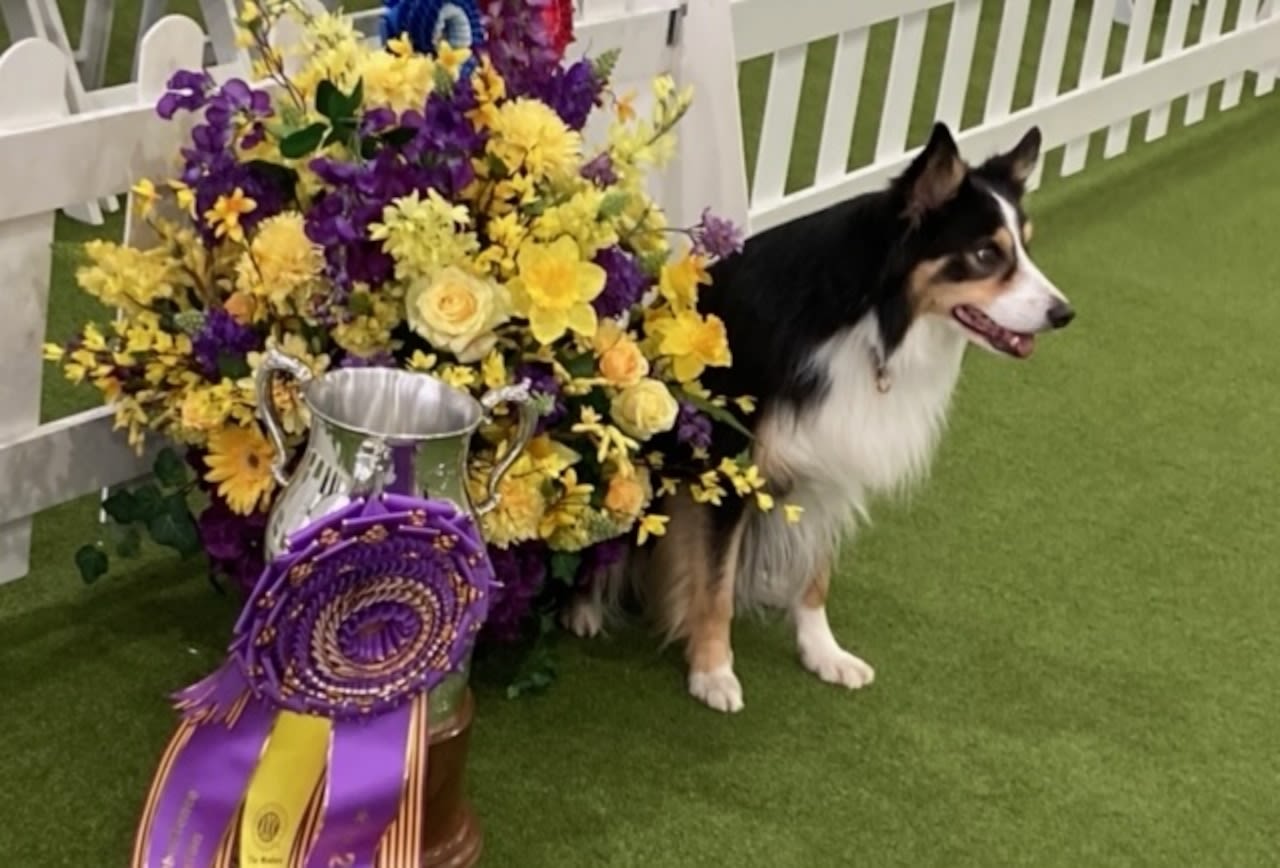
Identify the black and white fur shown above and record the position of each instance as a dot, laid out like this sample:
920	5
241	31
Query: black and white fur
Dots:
849	326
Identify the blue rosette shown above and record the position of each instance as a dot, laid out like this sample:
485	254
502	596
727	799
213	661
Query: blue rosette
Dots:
427	22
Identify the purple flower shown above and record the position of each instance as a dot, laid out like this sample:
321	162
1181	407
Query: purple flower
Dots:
693	428
234	543
521	570
599	171
520	46
542	381
600	557
187	90
221	338
716	236
236	101
625	282
572	92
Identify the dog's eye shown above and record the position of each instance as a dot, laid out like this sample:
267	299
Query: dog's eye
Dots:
987	255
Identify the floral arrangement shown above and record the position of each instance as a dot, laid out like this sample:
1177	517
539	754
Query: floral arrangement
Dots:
429	203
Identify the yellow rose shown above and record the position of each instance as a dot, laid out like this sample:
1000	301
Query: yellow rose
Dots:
645	409
621	361
626	495
457	312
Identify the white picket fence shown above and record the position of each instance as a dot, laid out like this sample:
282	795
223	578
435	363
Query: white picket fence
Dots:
52	159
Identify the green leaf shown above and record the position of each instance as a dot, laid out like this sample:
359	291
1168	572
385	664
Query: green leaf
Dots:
149	501
604	64
123	507
329	100
360	303
614	204
564	566
130	543
170	469
174	527
298	144
351	102
92	563
719	414
401	136
233	366
581	367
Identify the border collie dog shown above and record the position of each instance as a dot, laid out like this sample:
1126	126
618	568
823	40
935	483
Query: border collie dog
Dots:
849	327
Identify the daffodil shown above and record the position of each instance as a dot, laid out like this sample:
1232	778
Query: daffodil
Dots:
554	289
693	342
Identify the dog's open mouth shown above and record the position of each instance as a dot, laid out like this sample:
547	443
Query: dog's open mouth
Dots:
1000	338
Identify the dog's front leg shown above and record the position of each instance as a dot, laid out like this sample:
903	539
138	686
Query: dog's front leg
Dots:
820	653
710	619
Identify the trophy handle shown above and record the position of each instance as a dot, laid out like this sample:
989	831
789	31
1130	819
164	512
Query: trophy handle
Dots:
515	394
276	362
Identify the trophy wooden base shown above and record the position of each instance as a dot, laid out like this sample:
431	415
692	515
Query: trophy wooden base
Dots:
451	833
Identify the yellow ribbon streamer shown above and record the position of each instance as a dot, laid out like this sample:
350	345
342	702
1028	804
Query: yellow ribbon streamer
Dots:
287	776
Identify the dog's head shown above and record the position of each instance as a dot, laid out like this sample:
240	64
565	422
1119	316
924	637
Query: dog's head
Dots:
963	253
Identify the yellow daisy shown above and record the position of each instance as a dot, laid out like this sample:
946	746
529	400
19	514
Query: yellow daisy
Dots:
239	461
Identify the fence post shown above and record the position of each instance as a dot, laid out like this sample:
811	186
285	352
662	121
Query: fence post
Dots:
710	166
33	81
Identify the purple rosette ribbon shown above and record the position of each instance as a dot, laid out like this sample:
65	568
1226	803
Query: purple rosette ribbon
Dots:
367	610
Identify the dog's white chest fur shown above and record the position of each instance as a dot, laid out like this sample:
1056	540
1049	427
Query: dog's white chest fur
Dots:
857	442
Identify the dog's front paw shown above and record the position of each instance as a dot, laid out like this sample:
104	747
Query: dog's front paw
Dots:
834	665
718	688
584	617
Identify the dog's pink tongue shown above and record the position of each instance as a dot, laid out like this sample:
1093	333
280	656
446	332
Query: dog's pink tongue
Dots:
1022	345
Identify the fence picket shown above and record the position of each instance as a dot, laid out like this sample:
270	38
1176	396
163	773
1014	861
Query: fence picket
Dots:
900	95
779	126
1053	52
1091	66
1266	81
1135	50
1246	14
1175	37
843	94
1004	75
958	62
33	83
1210	30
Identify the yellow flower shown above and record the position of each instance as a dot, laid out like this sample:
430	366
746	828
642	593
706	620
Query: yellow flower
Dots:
424	235
458	376
528	133
493	370
626	495
679	281
693	343
621	361
554	289
224	217
625	106
793	513
126	277
185	195
645	409
207	408
663	86
457	312
521	504
452	59
367	333
239	461
145	196
395	80
651	525
421	361
281	263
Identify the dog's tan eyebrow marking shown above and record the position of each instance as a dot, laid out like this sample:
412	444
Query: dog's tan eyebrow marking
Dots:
1004	240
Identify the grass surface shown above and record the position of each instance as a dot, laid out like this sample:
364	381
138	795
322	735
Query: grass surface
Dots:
1073	623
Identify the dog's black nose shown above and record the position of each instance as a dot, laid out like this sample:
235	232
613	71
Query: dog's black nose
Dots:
1061	314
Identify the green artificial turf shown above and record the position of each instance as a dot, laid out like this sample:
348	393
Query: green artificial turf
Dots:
1073	622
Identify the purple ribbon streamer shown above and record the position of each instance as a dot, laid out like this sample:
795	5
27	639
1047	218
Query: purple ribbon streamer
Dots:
204	788
366	779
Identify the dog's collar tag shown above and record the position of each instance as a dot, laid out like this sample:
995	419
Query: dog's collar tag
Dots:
881	368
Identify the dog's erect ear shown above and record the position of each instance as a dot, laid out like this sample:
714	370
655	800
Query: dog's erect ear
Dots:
934	176
1017	165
